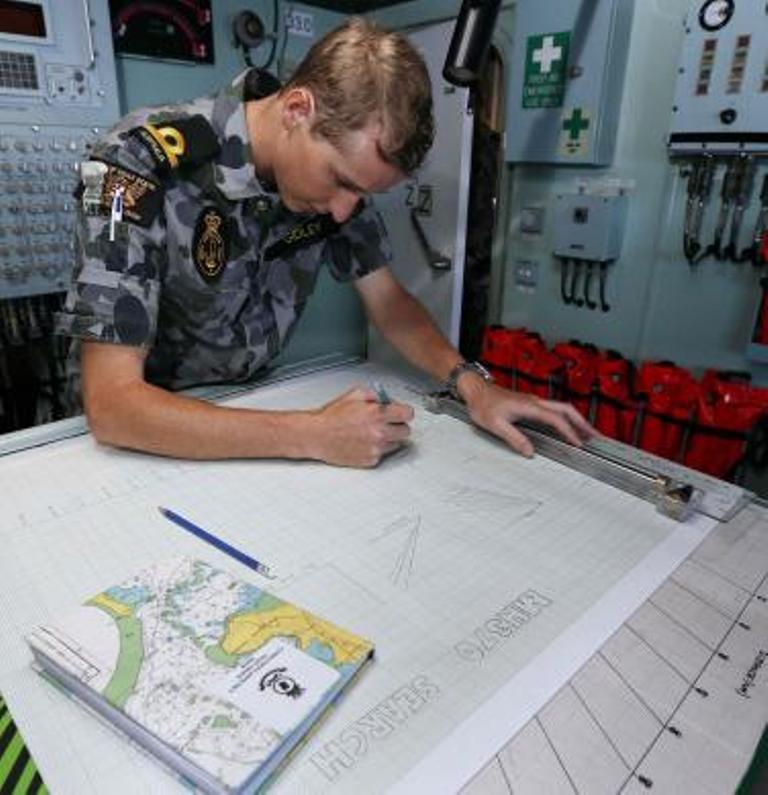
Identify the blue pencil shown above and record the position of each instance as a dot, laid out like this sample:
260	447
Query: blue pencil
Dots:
223	546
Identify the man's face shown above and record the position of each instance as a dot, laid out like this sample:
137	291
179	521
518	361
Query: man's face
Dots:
314	176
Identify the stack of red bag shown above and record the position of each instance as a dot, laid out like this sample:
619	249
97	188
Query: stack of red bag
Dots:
519	359
662	408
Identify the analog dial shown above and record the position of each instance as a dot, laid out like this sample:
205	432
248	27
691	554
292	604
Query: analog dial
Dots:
716	14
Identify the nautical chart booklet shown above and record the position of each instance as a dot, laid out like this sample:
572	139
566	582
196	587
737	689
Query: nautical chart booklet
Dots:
216	677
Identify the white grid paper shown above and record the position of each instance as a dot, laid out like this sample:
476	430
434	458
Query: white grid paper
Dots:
416	554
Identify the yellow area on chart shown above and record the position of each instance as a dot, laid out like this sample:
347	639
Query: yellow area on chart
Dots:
247	632
106	602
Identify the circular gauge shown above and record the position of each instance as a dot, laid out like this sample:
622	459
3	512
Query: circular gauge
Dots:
716	14
177	29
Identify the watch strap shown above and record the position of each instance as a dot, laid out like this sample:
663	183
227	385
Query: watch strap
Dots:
451	383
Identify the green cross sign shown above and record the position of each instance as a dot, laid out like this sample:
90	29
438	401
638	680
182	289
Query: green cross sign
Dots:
546	70
576	124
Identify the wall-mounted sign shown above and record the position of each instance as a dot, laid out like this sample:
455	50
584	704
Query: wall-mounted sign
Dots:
546	63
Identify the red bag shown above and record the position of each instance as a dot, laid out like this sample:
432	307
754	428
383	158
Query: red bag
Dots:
670	394
498	352
616	412
728	409
539	371
580	374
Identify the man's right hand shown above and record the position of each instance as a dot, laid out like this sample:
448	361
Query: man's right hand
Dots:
125	411
355	430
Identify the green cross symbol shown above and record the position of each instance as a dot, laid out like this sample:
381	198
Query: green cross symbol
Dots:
575	125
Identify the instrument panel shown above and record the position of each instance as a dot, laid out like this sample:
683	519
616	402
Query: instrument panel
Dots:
180	30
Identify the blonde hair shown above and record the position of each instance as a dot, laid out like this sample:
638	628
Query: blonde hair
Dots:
361	72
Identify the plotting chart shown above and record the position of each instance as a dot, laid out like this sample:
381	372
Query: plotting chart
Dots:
478	575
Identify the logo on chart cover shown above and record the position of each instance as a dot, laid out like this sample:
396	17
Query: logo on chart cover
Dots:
279	682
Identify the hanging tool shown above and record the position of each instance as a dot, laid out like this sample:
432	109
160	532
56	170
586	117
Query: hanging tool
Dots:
699	192
436	260
757	253
744	180
727	198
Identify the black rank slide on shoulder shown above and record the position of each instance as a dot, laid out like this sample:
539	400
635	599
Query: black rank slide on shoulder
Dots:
210	244
304	234
142	198
177	143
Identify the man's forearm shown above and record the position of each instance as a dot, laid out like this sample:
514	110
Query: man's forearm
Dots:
408	327
144	417
125	411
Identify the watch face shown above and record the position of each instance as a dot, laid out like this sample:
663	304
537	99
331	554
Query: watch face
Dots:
716	14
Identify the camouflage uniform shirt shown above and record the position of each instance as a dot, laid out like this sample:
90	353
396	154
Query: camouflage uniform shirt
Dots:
182	251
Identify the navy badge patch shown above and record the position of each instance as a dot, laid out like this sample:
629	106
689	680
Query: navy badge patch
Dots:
210	244
142	199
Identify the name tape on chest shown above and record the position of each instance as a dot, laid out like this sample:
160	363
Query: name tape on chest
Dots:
141	198
305	234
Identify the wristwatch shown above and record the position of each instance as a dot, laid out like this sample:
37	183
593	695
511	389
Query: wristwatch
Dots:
451	383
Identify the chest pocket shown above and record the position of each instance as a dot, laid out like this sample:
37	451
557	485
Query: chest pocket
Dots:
207	283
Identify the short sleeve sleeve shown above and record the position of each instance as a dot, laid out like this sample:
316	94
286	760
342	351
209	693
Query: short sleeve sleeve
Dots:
115	287
360	247
114	294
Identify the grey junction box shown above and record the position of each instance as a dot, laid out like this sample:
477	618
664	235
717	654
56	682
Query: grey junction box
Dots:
589	227
567	80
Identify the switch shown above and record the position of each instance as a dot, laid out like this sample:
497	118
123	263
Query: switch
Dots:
581	215
532	220
526	274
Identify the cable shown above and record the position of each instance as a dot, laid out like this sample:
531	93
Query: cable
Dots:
567	299
587	284
273	48
577	265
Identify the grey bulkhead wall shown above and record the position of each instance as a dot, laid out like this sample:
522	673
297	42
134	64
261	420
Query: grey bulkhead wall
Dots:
661	308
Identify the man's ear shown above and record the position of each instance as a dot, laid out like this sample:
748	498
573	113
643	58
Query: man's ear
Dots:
298	107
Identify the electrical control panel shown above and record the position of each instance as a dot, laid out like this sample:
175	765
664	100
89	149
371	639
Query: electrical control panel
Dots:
721	98
567	80
58	91
589	227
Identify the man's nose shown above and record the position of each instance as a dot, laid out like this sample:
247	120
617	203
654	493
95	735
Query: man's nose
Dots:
343	205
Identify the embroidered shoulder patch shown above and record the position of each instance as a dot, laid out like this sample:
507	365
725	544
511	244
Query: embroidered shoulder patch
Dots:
172	144
210	244
142	198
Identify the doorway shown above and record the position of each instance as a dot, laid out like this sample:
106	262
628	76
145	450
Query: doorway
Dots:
484	202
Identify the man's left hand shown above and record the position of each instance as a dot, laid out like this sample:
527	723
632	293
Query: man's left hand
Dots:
497	409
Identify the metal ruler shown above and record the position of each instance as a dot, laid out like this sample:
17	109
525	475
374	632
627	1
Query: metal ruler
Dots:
675	490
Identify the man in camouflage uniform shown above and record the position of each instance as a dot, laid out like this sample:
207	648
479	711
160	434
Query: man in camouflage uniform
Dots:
201	233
